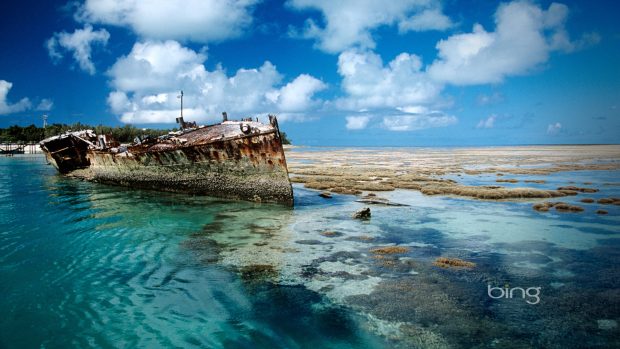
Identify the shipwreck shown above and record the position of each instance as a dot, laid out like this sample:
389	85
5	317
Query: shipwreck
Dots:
241	159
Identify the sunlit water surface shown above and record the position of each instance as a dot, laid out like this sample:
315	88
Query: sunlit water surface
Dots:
90	265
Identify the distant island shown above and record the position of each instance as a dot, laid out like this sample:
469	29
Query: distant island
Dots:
33	134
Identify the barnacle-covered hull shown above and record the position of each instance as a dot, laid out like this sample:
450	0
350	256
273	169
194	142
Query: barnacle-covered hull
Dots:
236	160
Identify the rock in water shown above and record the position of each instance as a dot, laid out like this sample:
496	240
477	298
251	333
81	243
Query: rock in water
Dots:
325	195
362	214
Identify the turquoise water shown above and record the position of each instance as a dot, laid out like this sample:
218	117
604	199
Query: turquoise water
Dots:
90	265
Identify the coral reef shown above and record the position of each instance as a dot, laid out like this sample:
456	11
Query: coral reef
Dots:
510	180
330	234
582	190
375	200
258	272
352	171
609	201
559	206
390	250
537	181
446	262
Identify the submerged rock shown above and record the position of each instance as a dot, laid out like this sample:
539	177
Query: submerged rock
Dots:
362	214
537	181
308	242
563	207
325	195
390	250
258	272
446	262
489	192
331	234
542	207
606	324
609	201
601	212
574	188
375	200
559	206
508	180
587	200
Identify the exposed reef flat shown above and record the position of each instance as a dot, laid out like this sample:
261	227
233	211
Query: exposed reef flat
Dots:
442	171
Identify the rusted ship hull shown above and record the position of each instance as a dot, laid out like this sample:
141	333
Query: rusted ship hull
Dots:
219	161
248	168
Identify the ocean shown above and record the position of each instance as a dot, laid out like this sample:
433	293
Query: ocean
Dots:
91	265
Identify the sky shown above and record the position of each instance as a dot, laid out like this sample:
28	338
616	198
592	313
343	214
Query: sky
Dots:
336	73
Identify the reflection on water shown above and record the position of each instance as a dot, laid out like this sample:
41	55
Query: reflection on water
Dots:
84	264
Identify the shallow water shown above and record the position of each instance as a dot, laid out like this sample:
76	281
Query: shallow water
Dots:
84	265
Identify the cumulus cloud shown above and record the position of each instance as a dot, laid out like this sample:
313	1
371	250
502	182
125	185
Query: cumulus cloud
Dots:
193	20
349	23
413	122
430	19
147	81
488	122
357	122
371	84
5	106
79	44
297	95
45	105
524	36
554	129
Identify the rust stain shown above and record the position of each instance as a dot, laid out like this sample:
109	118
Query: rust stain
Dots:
220	160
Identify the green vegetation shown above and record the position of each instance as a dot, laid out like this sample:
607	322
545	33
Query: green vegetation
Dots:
284	138
34	134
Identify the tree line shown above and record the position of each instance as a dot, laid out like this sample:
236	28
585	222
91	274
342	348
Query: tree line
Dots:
123	134
34	134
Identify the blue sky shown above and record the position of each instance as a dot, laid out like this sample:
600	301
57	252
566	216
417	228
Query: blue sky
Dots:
358	72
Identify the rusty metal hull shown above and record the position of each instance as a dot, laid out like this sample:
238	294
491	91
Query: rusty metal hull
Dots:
67	152
249	167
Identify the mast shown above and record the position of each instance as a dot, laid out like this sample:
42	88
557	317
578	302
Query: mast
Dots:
181	103
180	120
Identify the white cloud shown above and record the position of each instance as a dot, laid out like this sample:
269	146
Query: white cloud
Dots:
524	37
5	106
349	23
118	102
488	122
370	84
413	122
430	19
297	95
147	81
79	43
291	117
554	129
45	105
152	66
194	20
357	122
